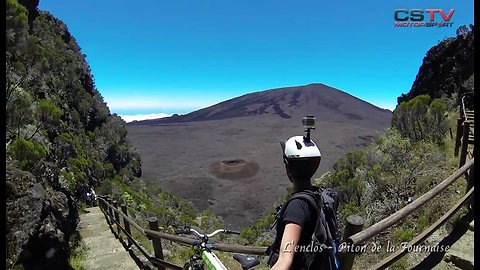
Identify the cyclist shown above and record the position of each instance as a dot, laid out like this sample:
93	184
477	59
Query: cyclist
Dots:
93	197
296	225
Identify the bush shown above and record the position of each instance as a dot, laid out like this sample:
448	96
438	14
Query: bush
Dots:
403	235
27	152
421	119
19	113
105	187
249	234
48	115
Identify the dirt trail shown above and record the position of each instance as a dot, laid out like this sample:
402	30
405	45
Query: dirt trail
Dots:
104	251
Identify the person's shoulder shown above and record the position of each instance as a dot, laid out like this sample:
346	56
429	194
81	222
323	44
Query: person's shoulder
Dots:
297	205
297	211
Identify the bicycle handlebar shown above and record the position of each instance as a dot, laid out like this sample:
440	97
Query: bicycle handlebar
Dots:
199	235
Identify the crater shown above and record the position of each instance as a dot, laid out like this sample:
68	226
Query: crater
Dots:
233	162
234	169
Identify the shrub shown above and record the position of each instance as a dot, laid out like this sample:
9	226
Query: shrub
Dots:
27	152
421	119
105	187
403	235
19	113
127	198
249	234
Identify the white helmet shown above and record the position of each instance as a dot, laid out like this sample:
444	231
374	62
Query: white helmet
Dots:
301	157
299	147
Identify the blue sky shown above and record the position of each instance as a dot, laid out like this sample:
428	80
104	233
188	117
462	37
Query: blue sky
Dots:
176	56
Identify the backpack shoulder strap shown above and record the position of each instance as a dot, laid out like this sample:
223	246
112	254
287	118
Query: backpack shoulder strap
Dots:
312	198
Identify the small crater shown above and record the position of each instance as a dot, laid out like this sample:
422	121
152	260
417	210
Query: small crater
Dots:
233	162
234	169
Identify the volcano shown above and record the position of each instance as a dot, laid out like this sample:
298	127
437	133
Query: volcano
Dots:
227	157
286	103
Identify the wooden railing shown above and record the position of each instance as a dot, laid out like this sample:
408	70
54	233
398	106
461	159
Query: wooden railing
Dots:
465	132
112	214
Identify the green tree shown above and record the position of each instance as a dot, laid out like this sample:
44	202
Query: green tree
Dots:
438	122
47	116
421	119
16	26
19	113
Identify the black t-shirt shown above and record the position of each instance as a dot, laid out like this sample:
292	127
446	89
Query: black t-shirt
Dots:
298	211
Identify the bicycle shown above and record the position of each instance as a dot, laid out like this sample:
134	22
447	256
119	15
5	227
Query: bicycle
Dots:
204	258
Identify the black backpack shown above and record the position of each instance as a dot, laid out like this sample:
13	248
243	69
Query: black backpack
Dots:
325	238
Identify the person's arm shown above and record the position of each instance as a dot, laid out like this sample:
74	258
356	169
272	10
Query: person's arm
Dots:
290	238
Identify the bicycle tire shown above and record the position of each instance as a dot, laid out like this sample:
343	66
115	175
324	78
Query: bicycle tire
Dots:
187	266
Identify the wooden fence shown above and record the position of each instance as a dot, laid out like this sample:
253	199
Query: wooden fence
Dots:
465	135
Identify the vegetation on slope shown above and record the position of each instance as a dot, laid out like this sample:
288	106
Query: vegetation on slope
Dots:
56	118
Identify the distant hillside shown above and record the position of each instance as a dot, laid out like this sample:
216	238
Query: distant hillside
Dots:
446	71
290	102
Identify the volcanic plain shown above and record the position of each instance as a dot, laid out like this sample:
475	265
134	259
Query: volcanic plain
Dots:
228	158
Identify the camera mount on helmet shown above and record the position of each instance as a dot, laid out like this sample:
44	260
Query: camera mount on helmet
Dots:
308	124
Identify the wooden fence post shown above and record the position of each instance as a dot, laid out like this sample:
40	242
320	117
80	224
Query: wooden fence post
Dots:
463	153
117	218
126	224
470	184
458	137
157	243
100	205
354	225
110	213
103	206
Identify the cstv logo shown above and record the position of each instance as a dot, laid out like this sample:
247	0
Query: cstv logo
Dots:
422	18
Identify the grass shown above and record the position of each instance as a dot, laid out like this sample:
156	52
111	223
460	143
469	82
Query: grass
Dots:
78	257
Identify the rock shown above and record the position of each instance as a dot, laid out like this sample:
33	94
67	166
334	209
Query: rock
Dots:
24	206
40	222
461	254
31	6
470	226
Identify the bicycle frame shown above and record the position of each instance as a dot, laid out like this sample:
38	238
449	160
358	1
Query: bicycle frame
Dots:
211	261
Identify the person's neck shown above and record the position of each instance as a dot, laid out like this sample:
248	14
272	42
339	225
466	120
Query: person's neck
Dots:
301	185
